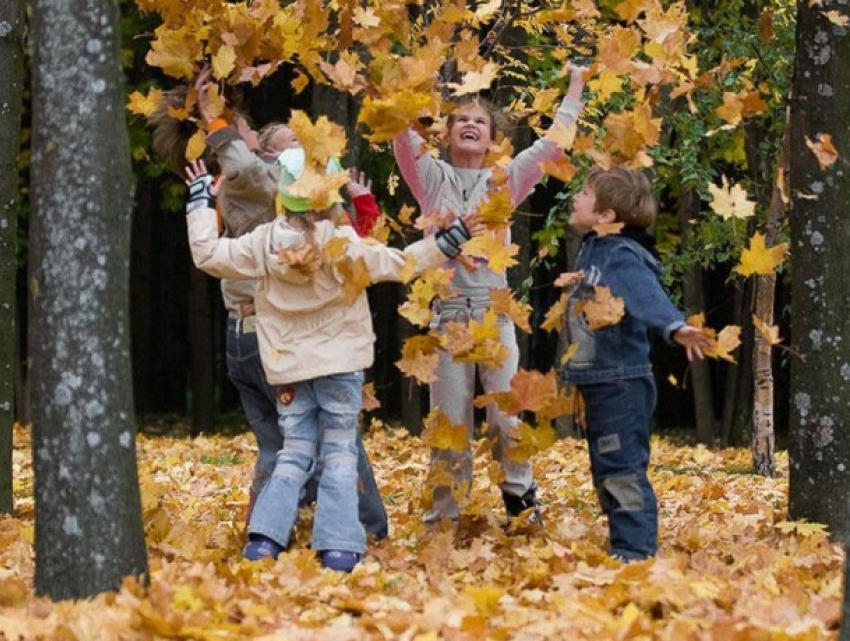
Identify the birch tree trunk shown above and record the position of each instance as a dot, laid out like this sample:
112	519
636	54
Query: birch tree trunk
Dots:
763	441
88	532
820	229
11	93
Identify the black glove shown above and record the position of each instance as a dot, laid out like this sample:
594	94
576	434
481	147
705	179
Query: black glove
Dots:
451	239
200	194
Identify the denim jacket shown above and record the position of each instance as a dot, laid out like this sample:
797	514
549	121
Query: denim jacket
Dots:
624	265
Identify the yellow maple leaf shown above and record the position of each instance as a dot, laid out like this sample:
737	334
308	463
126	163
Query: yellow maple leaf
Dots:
758	259
355	278
823	149
491	247
603	309
528	441
419	358
628	134
837	18
561	169
802	527
770	333
727	340
223	62
344	73
320	188
475	81
370	402
321	140
496	210
730	201
485	597
503	302
617	48
175	51
554	318
196	146
144	105
390	115
441	434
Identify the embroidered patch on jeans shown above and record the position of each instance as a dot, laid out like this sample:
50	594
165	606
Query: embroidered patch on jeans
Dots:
610	443
286	395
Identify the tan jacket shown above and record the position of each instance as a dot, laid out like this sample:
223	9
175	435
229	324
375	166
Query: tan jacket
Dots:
305	329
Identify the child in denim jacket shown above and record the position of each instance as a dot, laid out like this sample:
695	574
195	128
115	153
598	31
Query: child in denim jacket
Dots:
610	365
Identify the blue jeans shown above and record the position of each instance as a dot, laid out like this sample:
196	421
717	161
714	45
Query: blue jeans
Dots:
259	402
319	422
618	415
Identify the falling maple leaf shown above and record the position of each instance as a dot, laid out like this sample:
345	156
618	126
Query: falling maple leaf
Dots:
603	309
823	149
770	333
758	259
727	340
441	434
419	358
731	201
503	302
475	81
554	318
355	278
492	247
144	105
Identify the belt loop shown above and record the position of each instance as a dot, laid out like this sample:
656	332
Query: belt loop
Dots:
239	325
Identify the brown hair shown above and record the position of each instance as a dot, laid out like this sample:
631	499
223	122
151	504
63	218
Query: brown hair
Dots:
170	135
497	119
627	192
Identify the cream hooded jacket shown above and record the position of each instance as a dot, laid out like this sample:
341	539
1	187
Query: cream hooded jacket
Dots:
305	328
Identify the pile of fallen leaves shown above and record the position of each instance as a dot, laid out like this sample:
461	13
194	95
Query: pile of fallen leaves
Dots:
731	565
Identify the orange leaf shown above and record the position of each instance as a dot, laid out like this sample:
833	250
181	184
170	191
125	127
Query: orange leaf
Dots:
823	149
603	309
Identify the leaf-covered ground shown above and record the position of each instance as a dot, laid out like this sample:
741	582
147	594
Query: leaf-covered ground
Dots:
731	566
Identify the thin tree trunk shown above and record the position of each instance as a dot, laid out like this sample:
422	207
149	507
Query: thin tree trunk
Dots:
763	443
88	524
201	355
11	95
695	300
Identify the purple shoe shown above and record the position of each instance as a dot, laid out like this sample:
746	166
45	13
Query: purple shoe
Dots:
261	547
340	560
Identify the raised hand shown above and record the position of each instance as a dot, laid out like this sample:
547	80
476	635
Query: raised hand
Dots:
200	183
359	184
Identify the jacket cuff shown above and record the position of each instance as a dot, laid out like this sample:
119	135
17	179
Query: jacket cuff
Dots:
671	330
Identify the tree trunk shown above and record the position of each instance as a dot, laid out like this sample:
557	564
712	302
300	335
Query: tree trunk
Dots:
695	300
820	413
11	95
88	532
765	288
201	354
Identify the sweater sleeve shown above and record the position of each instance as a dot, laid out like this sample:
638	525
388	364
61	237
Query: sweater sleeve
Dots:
233	258
524	171
420	170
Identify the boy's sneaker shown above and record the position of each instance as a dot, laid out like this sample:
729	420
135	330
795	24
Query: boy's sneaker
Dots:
261	547
340	560
516	505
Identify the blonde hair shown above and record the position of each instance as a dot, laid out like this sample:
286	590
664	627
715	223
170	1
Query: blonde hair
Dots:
170	135
627	192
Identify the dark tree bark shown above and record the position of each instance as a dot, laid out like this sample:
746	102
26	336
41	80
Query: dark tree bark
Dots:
11	94
820	227
88	533
695	300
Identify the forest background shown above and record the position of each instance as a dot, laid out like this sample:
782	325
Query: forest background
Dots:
697	92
